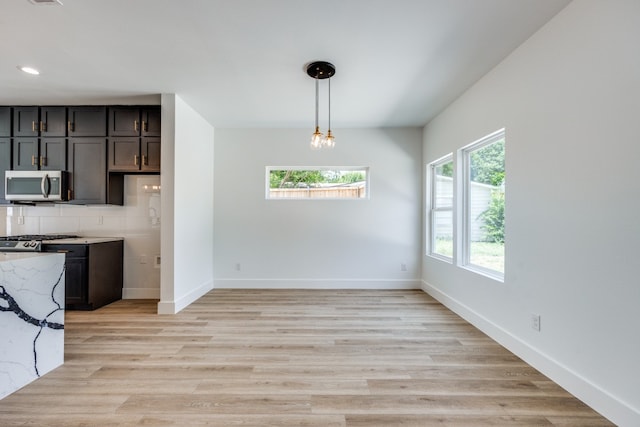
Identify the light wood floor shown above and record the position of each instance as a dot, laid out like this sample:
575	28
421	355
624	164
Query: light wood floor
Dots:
289	358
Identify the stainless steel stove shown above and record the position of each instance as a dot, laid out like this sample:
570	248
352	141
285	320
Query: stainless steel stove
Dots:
29	242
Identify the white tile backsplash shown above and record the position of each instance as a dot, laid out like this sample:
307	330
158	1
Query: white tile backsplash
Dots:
59	224
138	222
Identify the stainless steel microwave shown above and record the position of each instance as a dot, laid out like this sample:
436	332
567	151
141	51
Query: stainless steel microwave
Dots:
36	186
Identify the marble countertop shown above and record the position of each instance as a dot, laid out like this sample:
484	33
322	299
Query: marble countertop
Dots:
14	256
32	297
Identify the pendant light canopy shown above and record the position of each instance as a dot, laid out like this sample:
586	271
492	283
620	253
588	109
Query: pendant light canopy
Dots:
321	70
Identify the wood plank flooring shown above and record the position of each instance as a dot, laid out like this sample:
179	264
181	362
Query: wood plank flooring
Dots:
289	358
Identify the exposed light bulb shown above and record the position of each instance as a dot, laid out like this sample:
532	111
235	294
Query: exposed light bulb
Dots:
330	140
317	139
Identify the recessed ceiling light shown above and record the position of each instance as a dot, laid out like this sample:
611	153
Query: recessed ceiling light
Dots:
29	70
46	2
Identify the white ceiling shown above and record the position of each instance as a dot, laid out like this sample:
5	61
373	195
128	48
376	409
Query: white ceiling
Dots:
240	63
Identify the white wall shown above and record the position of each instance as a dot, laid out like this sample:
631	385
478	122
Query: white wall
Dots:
187	205
138	221
317	243
569	99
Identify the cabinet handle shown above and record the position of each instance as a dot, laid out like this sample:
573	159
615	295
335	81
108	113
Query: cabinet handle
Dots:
135	125
43	126
69	194
43	161
33	126
145	161
135	159
145	126
33	160
70	126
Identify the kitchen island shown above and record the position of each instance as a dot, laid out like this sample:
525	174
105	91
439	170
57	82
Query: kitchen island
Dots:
32	295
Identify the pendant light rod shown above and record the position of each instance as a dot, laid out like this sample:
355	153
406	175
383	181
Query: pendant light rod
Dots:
317	104
329	104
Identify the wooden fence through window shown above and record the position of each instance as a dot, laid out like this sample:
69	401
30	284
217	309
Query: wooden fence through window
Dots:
354	192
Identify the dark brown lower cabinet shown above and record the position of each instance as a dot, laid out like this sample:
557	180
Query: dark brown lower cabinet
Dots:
93	274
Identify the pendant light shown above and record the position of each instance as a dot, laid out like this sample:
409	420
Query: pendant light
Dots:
321	70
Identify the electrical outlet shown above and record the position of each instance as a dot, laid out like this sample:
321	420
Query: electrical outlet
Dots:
20	220
535	322
100	220
157	261
403	267
237	266
143	259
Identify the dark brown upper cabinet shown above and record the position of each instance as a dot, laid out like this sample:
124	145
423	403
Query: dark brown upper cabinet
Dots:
150	149
53	121
134	121
133	154
53	154
5	121
87	163
26	121
40	121
124	121
25	154
150	121
5	163
39	153
124	154
87	121
90	142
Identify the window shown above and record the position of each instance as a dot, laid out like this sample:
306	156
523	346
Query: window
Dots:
317	183
483	205
440	240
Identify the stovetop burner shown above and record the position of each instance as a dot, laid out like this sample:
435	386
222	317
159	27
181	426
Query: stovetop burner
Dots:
29	242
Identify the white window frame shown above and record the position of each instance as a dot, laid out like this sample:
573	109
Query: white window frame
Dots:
365	169
464	159
432	208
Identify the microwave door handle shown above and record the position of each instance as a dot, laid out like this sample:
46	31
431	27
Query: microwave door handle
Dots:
45	187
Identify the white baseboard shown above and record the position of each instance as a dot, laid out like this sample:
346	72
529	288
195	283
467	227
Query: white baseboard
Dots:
141	293
600	400
316	284
175	306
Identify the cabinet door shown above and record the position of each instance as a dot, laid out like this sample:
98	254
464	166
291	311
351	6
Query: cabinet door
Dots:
26	121
151	121
124	121
124	154
25	154
76	281
5	164
87	162
87	121
53	154
150	148
105	288
5	121
53	121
